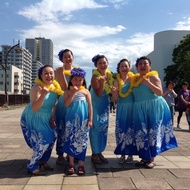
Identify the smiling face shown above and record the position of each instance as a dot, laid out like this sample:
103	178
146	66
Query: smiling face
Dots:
47	75
143	66
124	67
67	59
102	64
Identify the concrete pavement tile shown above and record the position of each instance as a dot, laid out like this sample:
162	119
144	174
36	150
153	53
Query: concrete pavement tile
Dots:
56	179
179	183
181	173
177	158
170	153
151	183
115	183
11	146
184	165
166	164
127	173
157	173
12	187
160	159
10	170
113	163
80	187
106	172
5	135
3	155
83	180
13	180
42	187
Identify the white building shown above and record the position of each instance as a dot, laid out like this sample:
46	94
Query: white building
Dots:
21	59
164	44
35	66
41	50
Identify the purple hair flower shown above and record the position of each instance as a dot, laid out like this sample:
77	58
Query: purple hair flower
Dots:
78	72
95	58
60	54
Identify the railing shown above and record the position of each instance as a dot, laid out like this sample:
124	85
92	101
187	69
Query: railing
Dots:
14	99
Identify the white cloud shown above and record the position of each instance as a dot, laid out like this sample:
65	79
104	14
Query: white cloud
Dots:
183	25
117	3
84	40
51	10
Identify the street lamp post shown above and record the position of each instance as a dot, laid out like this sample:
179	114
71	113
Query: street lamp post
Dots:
5	69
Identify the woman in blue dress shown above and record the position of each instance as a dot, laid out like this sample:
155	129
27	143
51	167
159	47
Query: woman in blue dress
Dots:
37	120
78	119
63	75
152	119
101	83
122	94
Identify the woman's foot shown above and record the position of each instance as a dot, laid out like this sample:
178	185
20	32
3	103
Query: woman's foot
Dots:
61	161
36	173
122	159
71	170
102	158
149	165
141	163
95	159
45	165
81	170
129	159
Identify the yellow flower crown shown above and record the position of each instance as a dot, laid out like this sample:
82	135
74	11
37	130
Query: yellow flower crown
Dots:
138	82
55	87
108	84
121	83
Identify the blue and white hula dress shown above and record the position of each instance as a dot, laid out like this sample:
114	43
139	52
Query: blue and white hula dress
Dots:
37	131
99	129
124	131
60	122
76	127
153	124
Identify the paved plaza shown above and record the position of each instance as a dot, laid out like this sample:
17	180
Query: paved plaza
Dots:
172	170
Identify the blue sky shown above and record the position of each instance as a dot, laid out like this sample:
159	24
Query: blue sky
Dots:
116	28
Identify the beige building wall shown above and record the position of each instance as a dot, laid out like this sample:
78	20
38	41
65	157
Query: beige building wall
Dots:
164	44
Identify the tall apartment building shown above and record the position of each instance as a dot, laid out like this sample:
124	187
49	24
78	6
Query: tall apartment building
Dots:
21	59
42	53
41	50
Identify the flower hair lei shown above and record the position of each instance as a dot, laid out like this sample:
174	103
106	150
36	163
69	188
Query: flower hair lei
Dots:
53	88
108	84
136	82
121	83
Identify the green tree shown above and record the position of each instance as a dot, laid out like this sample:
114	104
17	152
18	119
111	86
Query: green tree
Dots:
180	70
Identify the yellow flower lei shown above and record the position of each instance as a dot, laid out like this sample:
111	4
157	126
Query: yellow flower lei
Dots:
121	83
149	74
108	84
80	88
67	72
53	88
